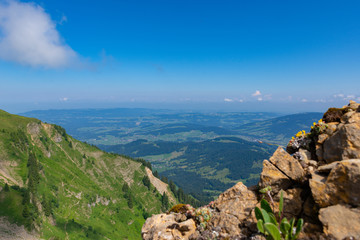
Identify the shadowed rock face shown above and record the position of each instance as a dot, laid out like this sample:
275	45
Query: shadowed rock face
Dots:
321	181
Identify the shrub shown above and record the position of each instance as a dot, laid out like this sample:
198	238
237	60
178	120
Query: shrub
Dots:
179	208
334	114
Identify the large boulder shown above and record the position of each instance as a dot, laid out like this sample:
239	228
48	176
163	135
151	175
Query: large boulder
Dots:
345	142
342	185
165	227
237	201
340	222
287	164
233	207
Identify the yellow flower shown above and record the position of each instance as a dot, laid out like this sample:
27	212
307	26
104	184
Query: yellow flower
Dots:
320	121
314	123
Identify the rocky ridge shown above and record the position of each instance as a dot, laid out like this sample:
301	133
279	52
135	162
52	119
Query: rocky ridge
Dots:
319	173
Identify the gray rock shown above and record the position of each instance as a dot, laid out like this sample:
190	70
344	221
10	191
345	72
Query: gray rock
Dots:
327	168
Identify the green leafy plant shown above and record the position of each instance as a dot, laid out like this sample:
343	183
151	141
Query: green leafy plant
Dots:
268	224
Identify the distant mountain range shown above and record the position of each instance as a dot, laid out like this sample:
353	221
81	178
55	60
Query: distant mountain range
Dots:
279	130
119	126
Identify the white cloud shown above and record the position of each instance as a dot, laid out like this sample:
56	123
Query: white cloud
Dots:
340	95
304	100
349	97
28	36
256	93
64	99
241	100
228	100
260	99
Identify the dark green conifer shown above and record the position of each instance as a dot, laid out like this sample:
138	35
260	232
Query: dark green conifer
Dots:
6	188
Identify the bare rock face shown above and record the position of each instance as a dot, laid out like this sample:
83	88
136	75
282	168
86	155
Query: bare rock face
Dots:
165	227
237	201
272	176
341	222
34	128
345	142
57	137
287	164
341	186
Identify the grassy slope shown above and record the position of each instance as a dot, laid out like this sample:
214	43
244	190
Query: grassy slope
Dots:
83	184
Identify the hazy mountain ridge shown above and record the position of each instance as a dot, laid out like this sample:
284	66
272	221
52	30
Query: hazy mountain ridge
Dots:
279	130
119	126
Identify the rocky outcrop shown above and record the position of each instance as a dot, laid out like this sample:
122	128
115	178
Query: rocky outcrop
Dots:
319	174
11	231
343	141
165	227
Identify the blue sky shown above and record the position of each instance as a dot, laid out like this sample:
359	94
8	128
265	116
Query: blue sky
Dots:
224	55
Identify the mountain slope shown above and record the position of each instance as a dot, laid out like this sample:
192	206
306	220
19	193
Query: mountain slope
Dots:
66	189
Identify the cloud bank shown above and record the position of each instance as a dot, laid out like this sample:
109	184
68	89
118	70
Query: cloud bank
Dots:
228	100
28	36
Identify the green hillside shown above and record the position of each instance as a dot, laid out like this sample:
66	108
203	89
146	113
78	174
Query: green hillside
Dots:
65	189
